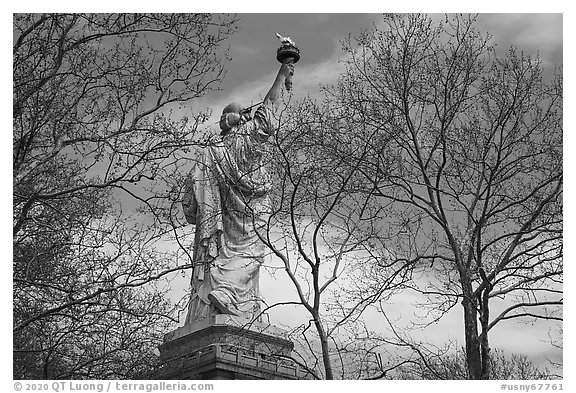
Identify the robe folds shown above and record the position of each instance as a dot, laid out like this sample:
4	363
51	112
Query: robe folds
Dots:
226	198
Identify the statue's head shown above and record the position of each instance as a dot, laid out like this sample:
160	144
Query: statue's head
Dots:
231	116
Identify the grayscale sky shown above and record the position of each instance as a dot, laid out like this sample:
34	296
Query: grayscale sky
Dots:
254	66
318	36
252	70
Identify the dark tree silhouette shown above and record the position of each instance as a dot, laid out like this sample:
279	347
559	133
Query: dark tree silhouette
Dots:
94	157
466	156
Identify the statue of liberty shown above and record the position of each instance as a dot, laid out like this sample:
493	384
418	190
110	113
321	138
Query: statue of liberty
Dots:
226	198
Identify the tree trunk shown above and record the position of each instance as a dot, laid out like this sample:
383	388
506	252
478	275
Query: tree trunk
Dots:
325	349
473	355
484	322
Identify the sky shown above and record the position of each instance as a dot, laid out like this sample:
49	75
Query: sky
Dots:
254	66
318	36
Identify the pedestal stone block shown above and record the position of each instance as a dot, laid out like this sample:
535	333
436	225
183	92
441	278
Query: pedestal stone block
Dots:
226	347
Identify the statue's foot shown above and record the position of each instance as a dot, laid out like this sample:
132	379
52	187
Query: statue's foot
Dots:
221	306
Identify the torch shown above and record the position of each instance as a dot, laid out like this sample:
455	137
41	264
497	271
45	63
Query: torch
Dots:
286	54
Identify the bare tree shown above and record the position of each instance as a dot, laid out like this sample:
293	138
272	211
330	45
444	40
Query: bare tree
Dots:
452	366
95	155
466	153
323	231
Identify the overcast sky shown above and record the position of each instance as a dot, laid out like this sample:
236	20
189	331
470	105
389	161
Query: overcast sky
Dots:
254	66
318	36
253	69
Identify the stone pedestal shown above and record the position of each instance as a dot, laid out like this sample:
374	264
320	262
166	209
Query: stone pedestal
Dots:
226	347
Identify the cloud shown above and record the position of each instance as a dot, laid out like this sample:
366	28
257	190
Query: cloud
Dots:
533	33
244	50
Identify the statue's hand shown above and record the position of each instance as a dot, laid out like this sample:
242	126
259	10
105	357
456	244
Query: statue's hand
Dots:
287	69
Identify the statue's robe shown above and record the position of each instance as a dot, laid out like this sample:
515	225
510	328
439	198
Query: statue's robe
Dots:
226	198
